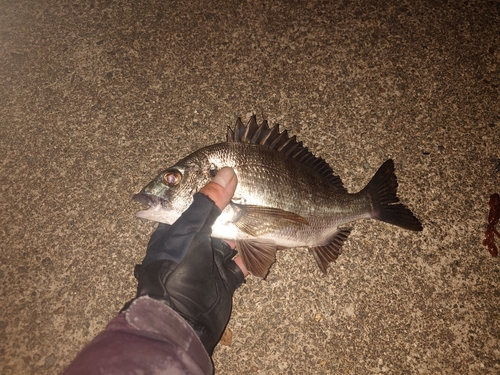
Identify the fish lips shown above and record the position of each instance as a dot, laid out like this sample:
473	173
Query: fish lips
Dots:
157	208
149	200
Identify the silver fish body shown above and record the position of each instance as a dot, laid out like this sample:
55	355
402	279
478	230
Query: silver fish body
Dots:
286	197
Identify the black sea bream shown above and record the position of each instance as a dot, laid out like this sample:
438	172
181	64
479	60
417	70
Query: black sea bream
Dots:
286	197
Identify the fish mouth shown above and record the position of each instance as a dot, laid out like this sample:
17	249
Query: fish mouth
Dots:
149	200
157	208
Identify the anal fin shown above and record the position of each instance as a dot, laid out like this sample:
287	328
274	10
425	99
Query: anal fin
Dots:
331	251
257	255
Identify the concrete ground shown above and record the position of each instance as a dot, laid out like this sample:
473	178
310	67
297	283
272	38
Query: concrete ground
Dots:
96	97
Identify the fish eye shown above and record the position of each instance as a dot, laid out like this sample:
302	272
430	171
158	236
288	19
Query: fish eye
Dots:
172	177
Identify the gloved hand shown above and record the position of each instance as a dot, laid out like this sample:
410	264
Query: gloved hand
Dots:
191	272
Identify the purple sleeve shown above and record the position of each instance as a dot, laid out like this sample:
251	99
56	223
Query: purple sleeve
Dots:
148	338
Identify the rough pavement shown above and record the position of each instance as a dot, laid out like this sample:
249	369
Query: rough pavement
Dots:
96	97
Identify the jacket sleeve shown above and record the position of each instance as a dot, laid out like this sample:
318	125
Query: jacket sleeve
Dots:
147	338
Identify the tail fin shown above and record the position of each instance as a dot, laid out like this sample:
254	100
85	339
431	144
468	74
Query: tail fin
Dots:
382	189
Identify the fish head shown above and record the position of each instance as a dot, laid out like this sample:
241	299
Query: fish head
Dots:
171	192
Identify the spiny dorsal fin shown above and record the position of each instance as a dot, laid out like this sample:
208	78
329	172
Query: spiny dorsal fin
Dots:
239	129
265	136
229	135
250	130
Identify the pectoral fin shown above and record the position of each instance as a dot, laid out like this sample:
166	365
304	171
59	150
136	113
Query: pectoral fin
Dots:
328	253
257	255
258	220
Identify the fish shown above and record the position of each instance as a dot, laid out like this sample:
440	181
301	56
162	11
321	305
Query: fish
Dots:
286	196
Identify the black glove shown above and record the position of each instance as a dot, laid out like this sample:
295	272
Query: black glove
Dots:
191	272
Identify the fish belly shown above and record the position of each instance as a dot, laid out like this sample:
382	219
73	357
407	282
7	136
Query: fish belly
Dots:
317	233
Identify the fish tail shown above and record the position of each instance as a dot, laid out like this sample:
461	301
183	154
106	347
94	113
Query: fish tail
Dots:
386	207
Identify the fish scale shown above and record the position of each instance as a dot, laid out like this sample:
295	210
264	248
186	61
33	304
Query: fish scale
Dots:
284	181
285	197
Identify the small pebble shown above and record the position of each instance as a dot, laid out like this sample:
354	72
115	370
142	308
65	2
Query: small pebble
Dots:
59	311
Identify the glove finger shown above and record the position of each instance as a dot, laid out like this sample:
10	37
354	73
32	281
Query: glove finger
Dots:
157	235
230	272
173	242
195	217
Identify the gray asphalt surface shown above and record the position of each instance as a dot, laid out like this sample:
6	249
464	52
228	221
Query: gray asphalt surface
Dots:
96	97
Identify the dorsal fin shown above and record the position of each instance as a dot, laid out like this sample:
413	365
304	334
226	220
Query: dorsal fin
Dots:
250	130
265	136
